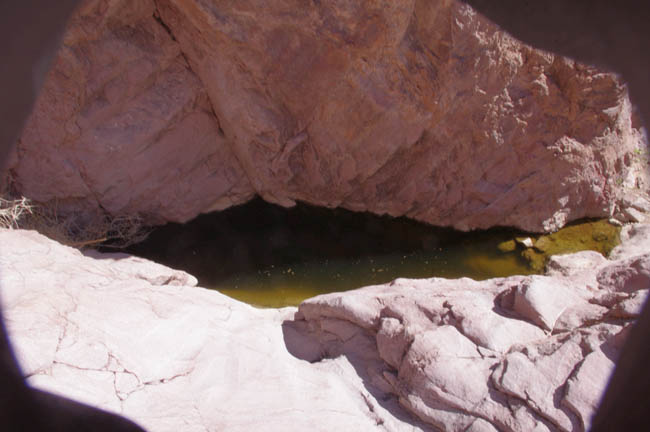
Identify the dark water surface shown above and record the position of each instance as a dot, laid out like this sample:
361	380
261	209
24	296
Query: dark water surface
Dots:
270	256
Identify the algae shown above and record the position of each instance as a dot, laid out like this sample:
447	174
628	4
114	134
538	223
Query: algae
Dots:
600	236
272	257
507	246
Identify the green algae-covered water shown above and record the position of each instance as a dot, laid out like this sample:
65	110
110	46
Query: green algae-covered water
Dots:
270	256
277	286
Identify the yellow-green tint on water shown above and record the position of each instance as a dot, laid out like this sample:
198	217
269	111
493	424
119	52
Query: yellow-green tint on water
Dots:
269	256
279	286
600	236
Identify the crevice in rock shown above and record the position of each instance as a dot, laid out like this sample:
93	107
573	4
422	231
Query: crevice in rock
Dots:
118	393
219	128
371	410
65	317
530	403
91	192
156	16
167	380
56	362
370	177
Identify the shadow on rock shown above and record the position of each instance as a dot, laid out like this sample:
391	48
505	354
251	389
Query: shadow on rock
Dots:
333	339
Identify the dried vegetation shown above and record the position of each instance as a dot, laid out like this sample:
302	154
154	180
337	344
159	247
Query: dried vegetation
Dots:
71	229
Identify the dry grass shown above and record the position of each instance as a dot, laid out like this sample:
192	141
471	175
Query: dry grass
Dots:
12	212
72	229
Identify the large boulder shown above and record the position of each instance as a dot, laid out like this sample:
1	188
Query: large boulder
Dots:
136	338
418	108
123	126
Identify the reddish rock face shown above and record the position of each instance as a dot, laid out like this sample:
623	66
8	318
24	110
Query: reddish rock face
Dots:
418	108
123	125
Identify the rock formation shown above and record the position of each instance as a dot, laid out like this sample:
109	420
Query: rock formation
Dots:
170	108
511	354
123	125
136	338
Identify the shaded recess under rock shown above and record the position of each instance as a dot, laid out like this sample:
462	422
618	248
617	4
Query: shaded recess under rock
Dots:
272	256
171	108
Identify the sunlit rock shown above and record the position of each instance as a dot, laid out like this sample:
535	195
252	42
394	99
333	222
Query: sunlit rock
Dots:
425	109
519	353
137	338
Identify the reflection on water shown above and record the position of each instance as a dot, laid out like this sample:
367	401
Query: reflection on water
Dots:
270	256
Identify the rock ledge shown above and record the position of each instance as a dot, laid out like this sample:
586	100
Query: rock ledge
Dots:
137	338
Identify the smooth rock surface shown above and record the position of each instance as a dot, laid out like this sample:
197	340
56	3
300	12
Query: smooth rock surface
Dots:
169	108
139	339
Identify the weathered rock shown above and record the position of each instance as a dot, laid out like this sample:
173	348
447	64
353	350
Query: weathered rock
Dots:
632	242
636	201
615	222
123	125
520	353
579	263
584	389
526	242
137	338
542	301
633	215
175	107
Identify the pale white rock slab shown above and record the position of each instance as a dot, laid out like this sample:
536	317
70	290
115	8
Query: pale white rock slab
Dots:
584	388
537	379
627	275
482	323
95	387
120	333
633	215
636	201
631	306
543	300
576	264
633	242
137	338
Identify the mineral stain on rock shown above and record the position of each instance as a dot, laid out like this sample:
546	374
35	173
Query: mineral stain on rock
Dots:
271	256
